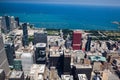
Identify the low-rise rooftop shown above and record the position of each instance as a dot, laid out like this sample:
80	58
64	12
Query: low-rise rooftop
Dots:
82	66
37	68
37	72
82	77
67	77
53	74
16	74
97	58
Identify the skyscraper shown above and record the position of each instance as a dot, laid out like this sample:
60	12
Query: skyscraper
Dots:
2	74
40	37
87	46
25	35
6	24
68	43
3	58
13	23
27	62
40	53
10	52
17	20
77	40
66	64
0	24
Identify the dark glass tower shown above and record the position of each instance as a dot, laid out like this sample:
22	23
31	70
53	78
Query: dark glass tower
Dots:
25	35
10	52
66	64
40	37
17	20
40	53
87	46
6	24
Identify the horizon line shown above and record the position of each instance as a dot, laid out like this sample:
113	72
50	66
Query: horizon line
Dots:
64	3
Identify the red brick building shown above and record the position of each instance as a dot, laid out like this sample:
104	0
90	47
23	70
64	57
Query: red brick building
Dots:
77	40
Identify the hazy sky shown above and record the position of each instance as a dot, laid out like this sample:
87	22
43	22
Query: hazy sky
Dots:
89	2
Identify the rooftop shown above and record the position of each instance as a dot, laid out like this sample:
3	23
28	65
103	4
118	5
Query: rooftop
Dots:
16	74
107	75
53	74
77	31
68	52
54	54
79	53
26	55
41	45
67	77
40	77
54	48
112	76
97	66
82	66
82	77
37	69
37	72
28	49
93	54
97	58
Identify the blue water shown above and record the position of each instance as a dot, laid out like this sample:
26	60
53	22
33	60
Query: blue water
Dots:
64	16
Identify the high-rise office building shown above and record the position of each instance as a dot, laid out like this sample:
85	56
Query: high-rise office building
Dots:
3	58
40	53
7	20
84	70
56	59
68	44
84	67
87	46
27	62
13	23
77	40
17	20
6	24
0	24
40	37
25	35
10	52
66	64
2	74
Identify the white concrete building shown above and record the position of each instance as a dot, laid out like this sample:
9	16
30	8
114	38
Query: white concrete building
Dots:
27	62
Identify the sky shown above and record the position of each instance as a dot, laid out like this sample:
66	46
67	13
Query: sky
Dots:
86	2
